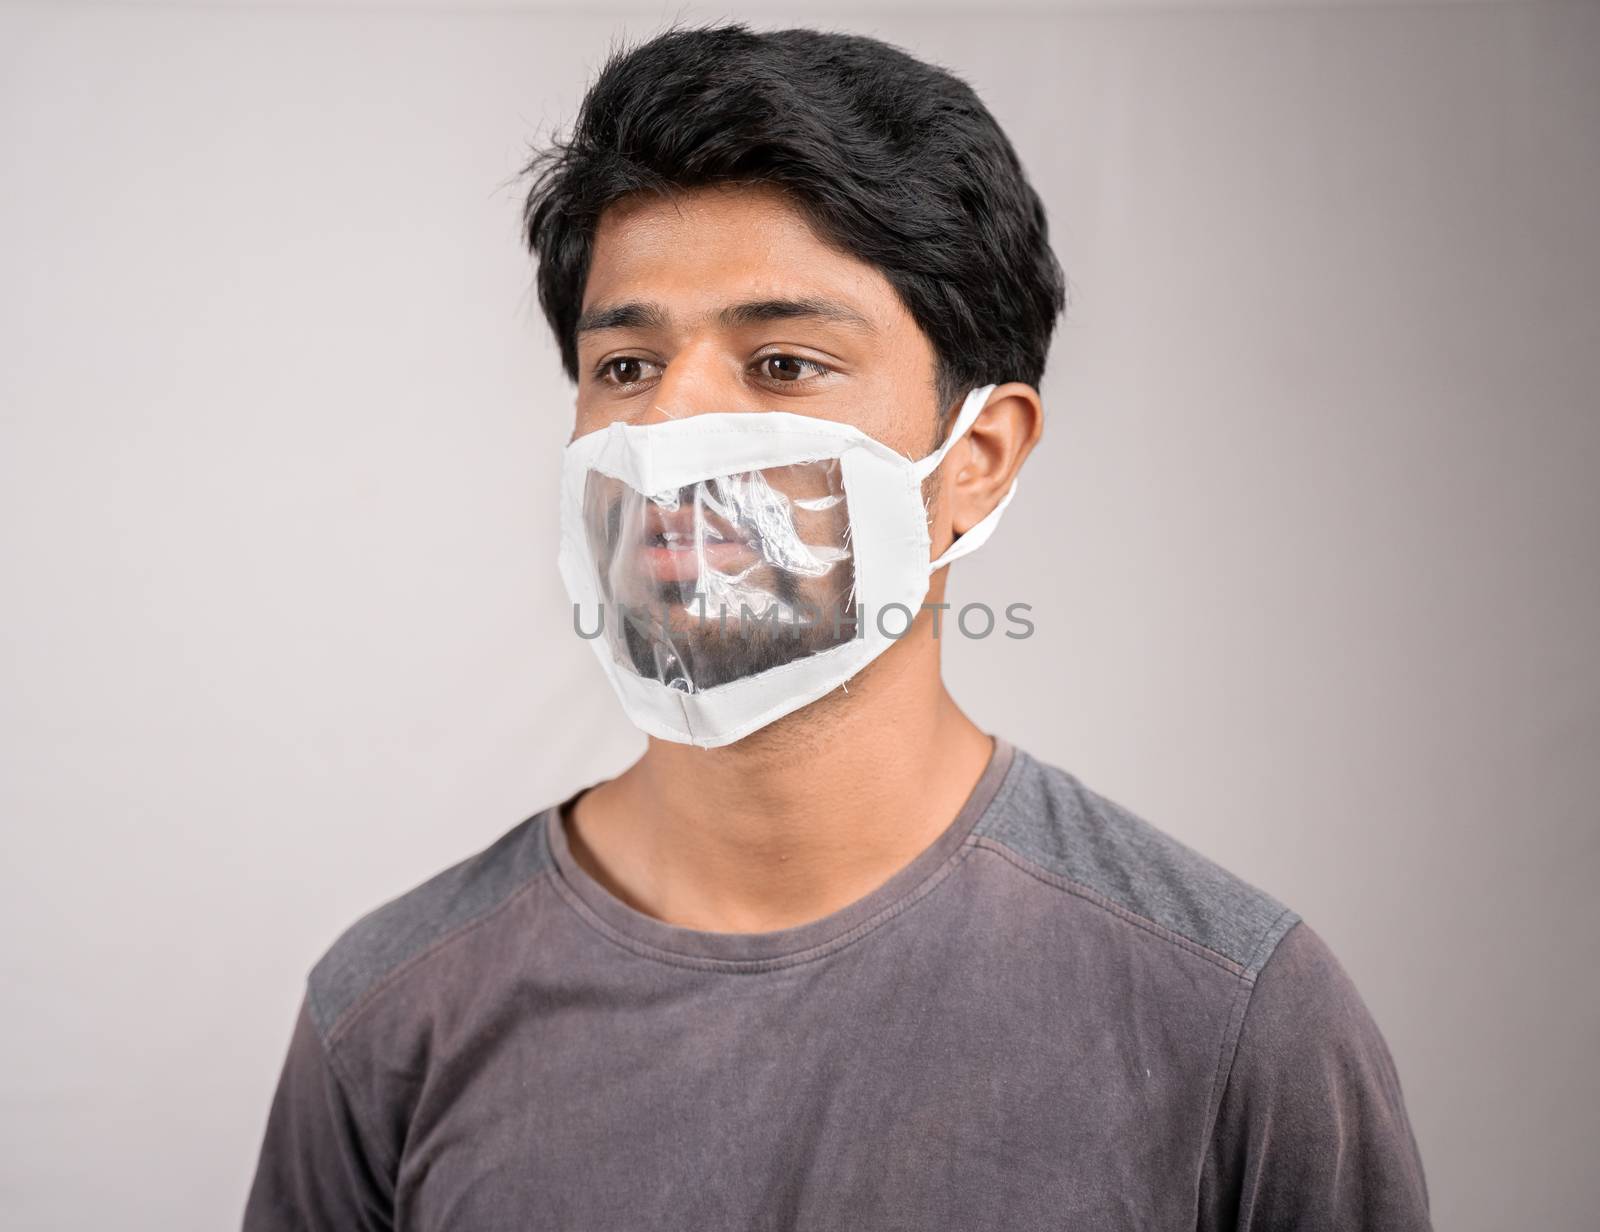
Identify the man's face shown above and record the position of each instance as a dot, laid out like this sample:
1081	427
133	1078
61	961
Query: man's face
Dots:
723	299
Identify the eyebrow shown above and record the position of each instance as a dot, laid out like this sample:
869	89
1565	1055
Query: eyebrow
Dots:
638	315
805	307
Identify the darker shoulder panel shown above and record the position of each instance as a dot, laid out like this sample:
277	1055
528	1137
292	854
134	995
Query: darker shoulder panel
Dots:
384	940
1053	821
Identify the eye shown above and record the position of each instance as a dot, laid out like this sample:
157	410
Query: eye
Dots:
788	369
624	370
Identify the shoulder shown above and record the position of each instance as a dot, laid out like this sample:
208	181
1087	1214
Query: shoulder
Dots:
385	941
1312	1129
1051	822
1305	1007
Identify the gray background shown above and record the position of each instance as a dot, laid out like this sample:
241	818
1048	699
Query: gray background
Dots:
1310	540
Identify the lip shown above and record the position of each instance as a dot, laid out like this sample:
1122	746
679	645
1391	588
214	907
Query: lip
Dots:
675	544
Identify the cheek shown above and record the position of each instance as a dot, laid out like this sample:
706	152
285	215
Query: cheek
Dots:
585	419
933	500
898	406
593	410
909	411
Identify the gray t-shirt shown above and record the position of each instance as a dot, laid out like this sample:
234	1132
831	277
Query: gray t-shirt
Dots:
1055	1017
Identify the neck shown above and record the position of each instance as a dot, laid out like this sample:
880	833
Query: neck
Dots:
797	820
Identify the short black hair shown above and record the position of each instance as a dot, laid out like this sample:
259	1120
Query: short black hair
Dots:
892	160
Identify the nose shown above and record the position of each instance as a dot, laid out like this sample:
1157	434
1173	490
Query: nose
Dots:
699	379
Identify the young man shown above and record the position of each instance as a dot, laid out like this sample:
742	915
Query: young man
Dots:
827	956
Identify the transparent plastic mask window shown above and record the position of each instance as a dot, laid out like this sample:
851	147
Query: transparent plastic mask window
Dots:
726	577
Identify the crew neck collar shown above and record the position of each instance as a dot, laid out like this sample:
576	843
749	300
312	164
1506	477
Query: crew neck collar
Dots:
673	943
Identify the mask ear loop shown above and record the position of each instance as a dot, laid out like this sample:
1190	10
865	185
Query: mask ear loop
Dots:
977	535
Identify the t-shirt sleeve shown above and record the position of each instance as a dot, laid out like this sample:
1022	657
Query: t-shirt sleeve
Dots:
1312	1132
317	1169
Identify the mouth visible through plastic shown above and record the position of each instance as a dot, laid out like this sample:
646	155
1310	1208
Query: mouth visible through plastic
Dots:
685	539
724	578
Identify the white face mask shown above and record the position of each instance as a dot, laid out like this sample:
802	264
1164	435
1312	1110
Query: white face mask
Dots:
732	568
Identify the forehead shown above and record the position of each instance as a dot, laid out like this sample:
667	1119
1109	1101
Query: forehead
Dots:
698	249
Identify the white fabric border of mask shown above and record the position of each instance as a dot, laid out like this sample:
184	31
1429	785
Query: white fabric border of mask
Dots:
657	457
890	541
674	453
884	527
975	536
670	454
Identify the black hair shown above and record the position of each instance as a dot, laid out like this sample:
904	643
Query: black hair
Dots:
892	160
